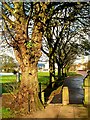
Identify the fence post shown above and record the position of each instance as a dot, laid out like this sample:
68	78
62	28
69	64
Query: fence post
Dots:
42	97
65	96
18	77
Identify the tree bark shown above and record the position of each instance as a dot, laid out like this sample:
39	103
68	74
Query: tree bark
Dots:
51	69
27	98
59	72
62	72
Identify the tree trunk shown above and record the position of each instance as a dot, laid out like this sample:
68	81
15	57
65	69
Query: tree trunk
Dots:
54	68
51	70
62	72
65	72
59	72
27	98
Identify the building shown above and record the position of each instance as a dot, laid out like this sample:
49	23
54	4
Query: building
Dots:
43	66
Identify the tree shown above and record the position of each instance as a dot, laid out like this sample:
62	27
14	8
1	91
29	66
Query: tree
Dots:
8	64
27	48
59	35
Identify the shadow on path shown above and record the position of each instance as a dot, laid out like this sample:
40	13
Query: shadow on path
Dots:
75	86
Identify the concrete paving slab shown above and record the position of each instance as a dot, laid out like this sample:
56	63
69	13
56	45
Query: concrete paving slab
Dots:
66	112
51	111
71	111
80	112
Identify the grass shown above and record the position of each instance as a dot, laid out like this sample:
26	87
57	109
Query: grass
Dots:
43	77
7	79
6	113
73	74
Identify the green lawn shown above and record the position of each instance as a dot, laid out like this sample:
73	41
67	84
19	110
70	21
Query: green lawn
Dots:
73	74
43	77
7	79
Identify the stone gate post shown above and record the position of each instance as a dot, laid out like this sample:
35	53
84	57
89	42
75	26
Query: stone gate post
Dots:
65	96
86	87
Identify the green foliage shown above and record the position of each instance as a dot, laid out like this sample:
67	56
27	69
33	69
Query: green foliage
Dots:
6	113
29	44
9	84
10	87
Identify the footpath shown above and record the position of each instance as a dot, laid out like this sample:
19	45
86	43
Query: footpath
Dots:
73	111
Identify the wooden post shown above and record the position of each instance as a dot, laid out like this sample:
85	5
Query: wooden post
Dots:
65	96
52	82
42	97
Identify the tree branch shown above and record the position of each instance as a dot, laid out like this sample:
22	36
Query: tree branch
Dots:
11	35
7	40
44	51
8	7
8	20
29	16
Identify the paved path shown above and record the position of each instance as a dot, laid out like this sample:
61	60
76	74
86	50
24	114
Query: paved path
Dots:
74	85
82	72
60	111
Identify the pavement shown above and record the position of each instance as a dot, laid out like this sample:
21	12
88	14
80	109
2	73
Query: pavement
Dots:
82	72
59	111
75	86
